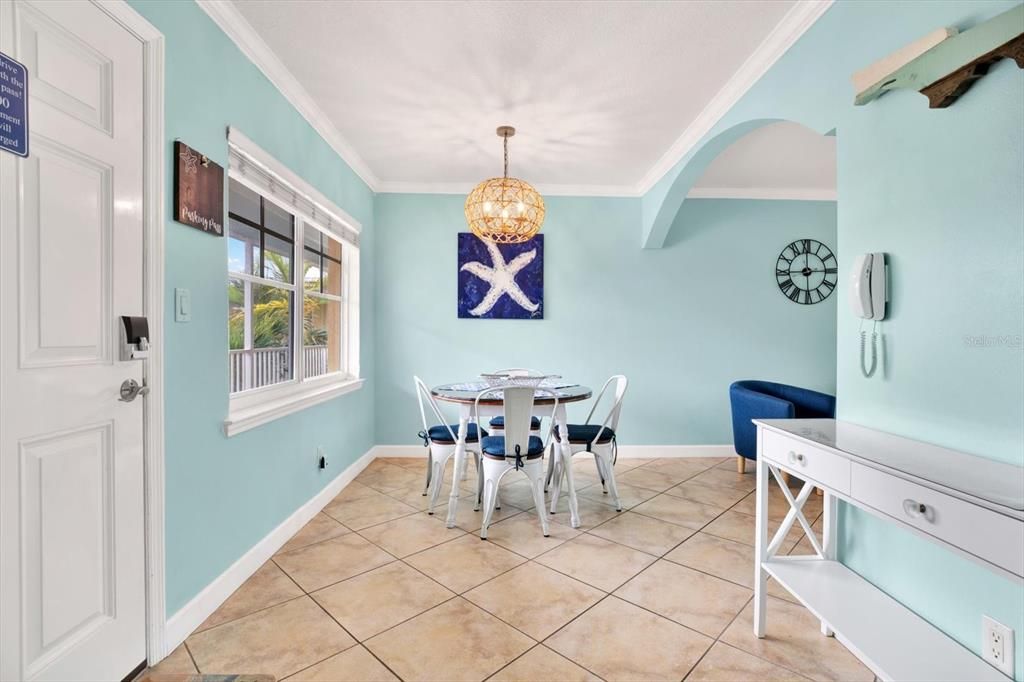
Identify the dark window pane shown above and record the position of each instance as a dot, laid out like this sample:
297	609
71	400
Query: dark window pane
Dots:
243	248
243	201
310	270
278	220
277	259
311	237
332	277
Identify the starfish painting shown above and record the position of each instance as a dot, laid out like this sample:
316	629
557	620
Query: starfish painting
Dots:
511	286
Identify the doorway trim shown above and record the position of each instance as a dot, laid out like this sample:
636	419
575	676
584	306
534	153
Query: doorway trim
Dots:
153	211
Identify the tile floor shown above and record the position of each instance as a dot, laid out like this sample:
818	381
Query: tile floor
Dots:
375	589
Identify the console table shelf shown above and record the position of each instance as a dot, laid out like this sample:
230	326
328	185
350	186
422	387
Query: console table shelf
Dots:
881	632
941	495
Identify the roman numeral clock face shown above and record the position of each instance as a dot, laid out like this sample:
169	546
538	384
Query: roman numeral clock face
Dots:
806	271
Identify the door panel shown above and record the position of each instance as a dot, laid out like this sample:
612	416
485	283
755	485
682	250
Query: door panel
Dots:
72	553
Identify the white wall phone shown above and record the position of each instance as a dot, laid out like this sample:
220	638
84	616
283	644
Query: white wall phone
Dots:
868	295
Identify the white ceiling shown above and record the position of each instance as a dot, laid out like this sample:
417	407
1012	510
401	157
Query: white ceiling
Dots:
599	92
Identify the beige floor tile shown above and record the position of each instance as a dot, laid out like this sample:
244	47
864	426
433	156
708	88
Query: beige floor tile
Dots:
414	463
279	641
715	495
368	510
320	527
384	597
778	507
691	598
522	534
352	665
739	527
596	561
470	521
534	599
726	478
387	477
659	480
682	467
644	533
592	513
516	493
620	641
732	561
354	491
629	495
793	640
687	513
331	561
724	663
464	563
541	664
453	641
410	534
178	662
415	498
269	585
627	463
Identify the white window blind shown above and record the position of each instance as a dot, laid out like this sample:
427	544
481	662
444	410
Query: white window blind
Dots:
268	177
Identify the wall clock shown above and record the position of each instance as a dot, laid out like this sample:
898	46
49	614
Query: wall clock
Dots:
806	271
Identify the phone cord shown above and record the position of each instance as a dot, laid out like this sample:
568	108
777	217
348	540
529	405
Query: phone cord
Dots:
868	371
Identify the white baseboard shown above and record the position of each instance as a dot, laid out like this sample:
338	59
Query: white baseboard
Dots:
192	615
626	451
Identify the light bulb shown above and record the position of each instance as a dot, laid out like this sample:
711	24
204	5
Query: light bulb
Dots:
487	207
522	207
504	213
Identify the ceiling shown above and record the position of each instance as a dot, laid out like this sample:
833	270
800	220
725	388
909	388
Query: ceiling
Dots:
600	92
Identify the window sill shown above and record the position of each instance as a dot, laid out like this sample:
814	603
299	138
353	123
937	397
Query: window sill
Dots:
276	404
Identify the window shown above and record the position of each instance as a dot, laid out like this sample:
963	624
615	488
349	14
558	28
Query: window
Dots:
292	278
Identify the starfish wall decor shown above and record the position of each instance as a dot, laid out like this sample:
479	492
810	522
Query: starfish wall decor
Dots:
503	281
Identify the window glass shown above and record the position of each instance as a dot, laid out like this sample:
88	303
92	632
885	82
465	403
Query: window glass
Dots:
279	220
242	201
259	335
310	270
311	237
277	259
243	248
321	330
332	277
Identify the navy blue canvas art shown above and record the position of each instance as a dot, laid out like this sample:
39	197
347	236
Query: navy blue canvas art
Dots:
501	281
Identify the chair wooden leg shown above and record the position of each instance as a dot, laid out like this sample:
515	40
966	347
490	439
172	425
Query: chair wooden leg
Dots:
741	464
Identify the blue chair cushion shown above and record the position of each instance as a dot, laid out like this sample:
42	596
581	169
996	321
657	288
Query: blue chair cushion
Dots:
586	433
495	447
499	423
440	434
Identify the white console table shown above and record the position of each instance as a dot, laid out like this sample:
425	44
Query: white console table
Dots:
971	505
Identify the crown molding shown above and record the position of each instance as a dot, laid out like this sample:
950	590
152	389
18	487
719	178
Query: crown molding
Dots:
797	21
240	31
465	188
765	193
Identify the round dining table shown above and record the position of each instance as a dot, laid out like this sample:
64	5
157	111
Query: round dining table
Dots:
464	395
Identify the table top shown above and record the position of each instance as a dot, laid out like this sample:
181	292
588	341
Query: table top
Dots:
466	392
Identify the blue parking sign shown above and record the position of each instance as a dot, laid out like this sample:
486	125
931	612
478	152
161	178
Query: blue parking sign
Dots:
13	106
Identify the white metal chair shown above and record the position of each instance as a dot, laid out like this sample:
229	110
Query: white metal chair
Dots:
515	449
598	439
441	440
497	424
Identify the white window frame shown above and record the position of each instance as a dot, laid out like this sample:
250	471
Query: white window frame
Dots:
254	168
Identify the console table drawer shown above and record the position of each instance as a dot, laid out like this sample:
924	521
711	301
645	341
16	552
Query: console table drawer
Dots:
806	461
987	534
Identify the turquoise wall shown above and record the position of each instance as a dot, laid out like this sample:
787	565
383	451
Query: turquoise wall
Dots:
682	322
941	191
224	494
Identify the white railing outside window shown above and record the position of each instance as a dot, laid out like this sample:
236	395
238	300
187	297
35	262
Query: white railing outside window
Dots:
259	367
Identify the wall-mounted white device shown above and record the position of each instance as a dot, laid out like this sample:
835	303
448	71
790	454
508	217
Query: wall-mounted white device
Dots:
868	295
867	286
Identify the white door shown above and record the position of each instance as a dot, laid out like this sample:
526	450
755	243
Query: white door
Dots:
72	568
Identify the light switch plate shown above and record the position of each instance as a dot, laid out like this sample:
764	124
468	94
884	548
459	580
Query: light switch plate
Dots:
182	305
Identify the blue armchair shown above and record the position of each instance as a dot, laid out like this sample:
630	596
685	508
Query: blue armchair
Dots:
767	400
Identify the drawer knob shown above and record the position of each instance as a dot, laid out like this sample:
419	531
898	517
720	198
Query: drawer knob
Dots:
796	457
917	510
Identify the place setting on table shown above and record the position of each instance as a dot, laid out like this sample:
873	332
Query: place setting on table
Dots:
501	416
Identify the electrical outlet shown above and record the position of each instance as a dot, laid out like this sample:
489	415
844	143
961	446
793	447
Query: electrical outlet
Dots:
321	458
997	645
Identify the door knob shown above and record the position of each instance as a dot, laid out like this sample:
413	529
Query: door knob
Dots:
131	389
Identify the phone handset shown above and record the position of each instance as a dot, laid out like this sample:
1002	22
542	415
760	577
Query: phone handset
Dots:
867	298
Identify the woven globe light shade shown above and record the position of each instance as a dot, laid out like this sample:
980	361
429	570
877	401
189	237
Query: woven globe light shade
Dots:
505	210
